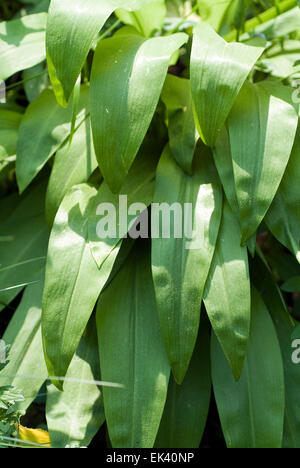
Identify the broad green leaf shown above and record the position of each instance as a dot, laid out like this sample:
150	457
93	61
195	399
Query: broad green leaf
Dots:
218	71
224	165
23	244
75	415
252	410
132	354
22	44
73	281
283	217
285	326
147	20
262	128
26	369
187	405
122	109
183	135
72	165
9	124
72	27
44	127
106	210
181	258
227	295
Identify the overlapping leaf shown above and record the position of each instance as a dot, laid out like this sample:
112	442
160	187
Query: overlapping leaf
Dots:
186	409
262	128
75	415
181	126
227	292
283	217
26	369
252	409
73	281
129	334
45	126
218	71
181	258
147	20
127	78
71	29
9	124
22	44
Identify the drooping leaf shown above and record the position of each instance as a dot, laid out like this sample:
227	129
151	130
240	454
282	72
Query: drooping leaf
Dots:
9	124
73	281
283	217
26	369
23	244
72	165
75	415
22	43
181	126
227	294
181	258
45	126
122	108
252	409
147	20
262	128
132	354
218	71
285	325
71	29
186	409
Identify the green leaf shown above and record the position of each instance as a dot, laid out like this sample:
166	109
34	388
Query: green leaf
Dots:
213	12
75	415
280	26
122	110
218	71
132	354
44	127
187	405
26	369
23	244
22	44
147	20
72	165
9	124
139	188
262	128
224	165
180	261
71	29
73	281
36	80
252	410
183	135
283	217
285	326
227	294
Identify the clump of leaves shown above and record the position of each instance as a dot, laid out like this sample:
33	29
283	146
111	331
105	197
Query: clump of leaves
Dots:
167	102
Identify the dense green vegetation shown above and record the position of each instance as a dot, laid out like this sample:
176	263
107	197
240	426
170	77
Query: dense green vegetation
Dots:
172	341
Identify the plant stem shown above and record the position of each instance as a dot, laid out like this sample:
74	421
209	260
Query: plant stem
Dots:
264	17
18	83
109	30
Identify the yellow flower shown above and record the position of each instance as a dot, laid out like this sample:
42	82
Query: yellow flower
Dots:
37	436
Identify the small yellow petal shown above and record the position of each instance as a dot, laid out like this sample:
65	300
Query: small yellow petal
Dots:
38	436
